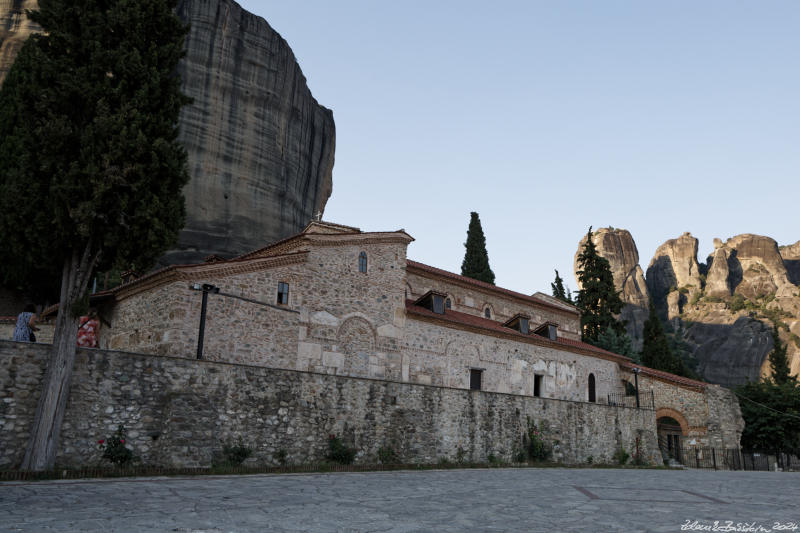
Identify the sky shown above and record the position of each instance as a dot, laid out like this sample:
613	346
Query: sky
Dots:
550	117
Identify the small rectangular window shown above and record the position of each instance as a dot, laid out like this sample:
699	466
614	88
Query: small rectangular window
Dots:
475	378
283	293
537	385
524	326
552	332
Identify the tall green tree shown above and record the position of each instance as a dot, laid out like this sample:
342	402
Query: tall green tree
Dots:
476	258
771	414
619	343
558	290
656	351
598	300
778	361
91	171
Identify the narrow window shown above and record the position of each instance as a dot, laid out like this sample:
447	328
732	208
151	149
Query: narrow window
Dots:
552	332
592	397
362	262
537	385
524	326
438	304
487	313
475	378
283	293
448	304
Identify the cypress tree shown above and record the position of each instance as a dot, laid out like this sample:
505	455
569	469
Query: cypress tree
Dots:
778	361
558	290
598	299
91	171
476	258
656	352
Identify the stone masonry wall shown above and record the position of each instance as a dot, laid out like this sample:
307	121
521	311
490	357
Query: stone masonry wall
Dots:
475	301
712	415
179	412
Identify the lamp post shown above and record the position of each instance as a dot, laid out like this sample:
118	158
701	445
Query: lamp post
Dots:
206	288
636	371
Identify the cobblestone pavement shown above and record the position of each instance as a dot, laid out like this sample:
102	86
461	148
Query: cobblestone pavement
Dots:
528	500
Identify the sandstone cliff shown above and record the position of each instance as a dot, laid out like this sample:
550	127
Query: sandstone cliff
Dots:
618	247
723	310
261	149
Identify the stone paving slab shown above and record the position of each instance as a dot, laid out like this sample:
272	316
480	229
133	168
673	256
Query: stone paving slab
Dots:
529	500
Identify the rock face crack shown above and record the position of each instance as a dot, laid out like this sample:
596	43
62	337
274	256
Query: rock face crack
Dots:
260	148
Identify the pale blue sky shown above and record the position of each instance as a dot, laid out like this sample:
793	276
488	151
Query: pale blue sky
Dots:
548	117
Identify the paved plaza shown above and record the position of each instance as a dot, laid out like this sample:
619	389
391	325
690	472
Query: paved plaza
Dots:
527	500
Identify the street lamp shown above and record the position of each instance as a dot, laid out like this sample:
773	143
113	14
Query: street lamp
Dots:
636	371
206	288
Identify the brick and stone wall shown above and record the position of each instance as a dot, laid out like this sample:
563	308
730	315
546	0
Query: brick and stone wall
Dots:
179	412
709	415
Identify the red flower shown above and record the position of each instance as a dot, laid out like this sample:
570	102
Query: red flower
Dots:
101	441
122	441
331	436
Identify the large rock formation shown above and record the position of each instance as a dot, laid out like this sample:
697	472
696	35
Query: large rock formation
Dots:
15	28
724	317
260	147
674	268
618	247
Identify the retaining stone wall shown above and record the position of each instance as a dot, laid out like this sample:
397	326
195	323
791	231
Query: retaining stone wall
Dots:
179	412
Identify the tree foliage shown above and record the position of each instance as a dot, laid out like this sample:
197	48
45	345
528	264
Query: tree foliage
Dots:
771	406
559	292
619	343
91	171
476	258
656	351
778	361
598	300
771	414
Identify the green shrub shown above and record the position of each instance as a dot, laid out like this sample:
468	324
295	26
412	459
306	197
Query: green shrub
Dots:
387	456
535	447
281	456
621	456
235	454
737	303
338	452
114	449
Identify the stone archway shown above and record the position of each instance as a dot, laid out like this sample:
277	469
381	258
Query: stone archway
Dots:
672	428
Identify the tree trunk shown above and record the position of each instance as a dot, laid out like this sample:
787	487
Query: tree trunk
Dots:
46	429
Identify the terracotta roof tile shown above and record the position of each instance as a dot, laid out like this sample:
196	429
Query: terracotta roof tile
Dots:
664	375
493	288
458	317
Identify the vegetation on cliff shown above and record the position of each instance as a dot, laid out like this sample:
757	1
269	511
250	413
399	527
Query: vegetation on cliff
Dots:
90	168
476	258
565	295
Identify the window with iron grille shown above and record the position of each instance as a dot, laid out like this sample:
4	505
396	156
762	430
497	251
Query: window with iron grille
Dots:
362	262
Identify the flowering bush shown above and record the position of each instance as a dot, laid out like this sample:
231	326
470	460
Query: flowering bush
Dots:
114	449
535	447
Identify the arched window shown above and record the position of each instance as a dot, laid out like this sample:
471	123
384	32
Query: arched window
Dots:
592	395
362	262
487	312
448	304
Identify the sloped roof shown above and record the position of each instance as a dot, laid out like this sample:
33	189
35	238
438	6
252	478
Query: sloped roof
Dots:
480	324
554	305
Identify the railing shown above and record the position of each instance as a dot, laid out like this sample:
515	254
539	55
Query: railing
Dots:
732	458
620	399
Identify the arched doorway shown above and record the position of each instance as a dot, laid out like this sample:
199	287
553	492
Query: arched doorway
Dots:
671	427
592	393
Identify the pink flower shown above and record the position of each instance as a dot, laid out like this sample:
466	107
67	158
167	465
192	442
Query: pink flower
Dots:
122	441
101	441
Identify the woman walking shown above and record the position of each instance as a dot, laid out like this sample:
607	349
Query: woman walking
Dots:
26	325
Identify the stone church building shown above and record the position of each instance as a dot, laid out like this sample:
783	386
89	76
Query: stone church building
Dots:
339	301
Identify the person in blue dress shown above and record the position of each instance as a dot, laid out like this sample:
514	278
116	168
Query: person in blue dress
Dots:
26	325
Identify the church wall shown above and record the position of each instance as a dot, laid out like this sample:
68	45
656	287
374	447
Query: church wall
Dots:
474	302
180	412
